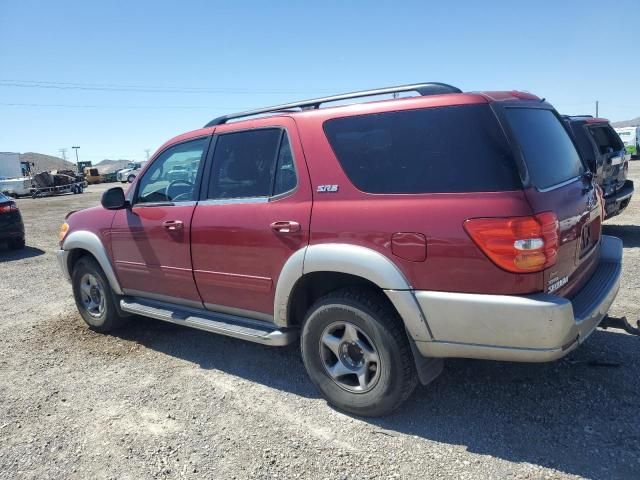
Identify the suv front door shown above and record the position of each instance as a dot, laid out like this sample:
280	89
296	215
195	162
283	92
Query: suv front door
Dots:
255	215
151	240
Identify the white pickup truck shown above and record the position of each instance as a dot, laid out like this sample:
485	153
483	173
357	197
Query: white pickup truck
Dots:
129	174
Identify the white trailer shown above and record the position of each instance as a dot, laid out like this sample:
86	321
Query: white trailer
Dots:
10	165
16	187
630	136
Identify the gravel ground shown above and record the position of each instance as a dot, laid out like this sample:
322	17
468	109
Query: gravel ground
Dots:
161	401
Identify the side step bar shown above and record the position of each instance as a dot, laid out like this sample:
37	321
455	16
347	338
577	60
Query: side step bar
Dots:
221	323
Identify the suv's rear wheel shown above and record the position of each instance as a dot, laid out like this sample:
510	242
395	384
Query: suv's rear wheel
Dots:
356	352
94	298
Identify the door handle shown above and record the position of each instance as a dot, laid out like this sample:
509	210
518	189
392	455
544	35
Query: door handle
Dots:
285	227
173	225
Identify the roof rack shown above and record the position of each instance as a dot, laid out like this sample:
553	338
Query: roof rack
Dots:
432	88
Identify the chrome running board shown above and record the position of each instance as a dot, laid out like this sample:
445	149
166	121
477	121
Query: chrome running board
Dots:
214	322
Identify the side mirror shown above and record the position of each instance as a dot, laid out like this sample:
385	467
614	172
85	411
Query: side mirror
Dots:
114	199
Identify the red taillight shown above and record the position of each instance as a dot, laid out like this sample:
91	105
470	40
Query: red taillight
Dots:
8	207
517	244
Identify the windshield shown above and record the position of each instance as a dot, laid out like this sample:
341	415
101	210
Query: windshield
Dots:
550	155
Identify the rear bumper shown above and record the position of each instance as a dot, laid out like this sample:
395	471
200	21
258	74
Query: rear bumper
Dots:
11	230
618	201
11	234
528	328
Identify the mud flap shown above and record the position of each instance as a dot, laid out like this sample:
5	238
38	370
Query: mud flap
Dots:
429	368
620	322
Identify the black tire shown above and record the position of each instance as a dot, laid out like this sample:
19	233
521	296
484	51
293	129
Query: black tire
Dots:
108	318
131	178
373	316
17	243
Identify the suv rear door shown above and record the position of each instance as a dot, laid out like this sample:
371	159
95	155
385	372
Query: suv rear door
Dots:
557	182
254	214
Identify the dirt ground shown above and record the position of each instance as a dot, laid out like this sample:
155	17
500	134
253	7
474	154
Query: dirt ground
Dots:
161	401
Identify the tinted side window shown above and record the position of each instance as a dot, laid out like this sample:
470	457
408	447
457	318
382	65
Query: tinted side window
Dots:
172	176
581	138
448	149
244	164
548	151
285	177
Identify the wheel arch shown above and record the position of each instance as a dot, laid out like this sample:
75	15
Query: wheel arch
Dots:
82	242
319	269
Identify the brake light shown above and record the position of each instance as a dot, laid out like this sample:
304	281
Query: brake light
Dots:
517	244
8	207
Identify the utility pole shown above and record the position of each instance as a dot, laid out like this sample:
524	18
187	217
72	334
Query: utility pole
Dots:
596	108
77	161
63	152
147	150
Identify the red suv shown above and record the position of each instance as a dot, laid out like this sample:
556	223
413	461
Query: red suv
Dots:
384	235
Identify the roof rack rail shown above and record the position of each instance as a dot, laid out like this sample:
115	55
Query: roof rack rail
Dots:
432	88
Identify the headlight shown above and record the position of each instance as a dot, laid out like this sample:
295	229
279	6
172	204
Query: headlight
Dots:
64	228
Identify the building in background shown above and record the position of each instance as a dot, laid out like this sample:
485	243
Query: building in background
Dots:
10	166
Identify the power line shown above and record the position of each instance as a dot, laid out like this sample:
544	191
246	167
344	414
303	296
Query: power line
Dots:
62	105
147	88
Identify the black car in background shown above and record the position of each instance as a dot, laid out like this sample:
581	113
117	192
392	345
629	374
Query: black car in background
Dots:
11	226
601	148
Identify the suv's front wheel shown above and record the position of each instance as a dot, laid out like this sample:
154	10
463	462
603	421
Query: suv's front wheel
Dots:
94	298
356	352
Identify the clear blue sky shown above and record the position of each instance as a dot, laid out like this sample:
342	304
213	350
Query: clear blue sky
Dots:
213	58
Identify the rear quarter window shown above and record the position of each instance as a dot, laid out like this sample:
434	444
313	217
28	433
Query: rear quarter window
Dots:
548	151
435	150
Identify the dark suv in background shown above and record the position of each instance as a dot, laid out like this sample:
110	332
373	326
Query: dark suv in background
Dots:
603	151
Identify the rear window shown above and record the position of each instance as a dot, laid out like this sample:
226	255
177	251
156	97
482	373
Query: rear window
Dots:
434	150
548	151
606	139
